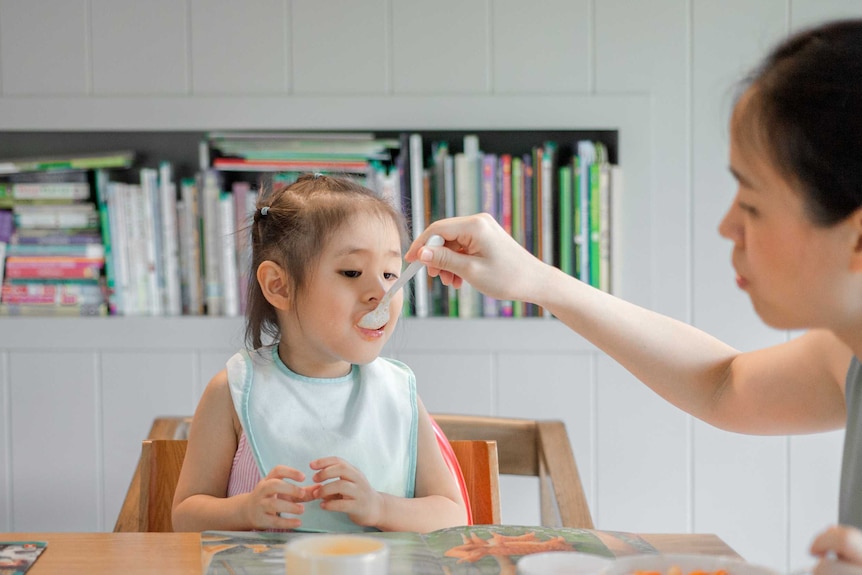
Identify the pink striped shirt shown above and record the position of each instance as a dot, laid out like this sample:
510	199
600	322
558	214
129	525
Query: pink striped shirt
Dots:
243	473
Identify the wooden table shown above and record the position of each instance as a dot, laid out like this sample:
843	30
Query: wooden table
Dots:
180	553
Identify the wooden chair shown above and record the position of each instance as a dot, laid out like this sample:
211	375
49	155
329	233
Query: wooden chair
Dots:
537	448
161	463
166	427
481	471
162	460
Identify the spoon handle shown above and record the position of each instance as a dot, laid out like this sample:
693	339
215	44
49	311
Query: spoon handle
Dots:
405	276
410	271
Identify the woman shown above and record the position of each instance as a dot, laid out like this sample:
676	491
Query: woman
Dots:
796	228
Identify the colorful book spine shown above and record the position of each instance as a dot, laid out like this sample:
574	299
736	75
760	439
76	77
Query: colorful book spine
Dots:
53	267
506	213
52	293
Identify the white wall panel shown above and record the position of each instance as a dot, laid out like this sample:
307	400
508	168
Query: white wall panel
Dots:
729	39
209	364
440	47
136	388
733	475
239	47
140	48
550	386
453	382
541	47
639	438
644	47
815	466
43	47
5	446
804	13
55	426
340	47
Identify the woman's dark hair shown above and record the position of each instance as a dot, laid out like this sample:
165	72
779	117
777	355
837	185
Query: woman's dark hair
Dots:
292	224
805	112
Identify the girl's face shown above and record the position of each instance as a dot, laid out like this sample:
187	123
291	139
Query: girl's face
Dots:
321	335
797	274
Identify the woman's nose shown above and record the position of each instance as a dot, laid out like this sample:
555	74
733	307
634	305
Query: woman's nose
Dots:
730	226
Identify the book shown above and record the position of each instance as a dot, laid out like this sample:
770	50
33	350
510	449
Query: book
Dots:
170	251
16	557
123	159
474	550
189	222
11	309
417	219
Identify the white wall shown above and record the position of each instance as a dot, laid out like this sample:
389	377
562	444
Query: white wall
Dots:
75	402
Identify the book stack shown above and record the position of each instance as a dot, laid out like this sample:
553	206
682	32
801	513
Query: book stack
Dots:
558	207
54	256
359	155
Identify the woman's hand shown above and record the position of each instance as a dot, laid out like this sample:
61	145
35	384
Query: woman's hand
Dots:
480	252
844	541
273	495
347	491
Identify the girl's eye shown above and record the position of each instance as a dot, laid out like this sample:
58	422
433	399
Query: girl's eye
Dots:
390	276
351	273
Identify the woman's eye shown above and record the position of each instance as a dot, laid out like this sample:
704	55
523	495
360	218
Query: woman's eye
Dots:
351	273
749	209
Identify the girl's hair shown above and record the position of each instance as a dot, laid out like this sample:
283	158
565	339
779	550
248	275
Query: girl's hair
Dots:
805	112
292	224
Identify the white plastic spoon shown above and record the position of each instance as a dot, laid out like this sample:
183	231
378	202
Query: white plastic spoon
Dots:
379	316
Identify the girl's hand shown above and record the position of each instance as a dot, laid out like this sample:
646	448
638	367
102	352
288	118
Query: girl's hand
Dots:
273	495
842	540
349	493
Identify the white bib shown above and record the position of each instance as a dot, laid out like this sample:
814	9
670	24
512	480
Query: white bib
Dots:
368	418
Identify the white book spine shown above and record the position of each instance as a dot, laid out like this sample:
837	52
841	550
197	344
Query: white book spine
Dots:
172	300
467	202
227	233
154	270
134	215
213	294
192	250
417	202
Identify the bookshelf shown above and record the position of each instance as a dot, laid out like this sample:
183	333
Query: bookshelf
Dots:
181	149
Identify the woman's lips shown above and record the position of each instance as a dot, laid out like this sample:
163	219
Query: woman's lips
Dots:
741	282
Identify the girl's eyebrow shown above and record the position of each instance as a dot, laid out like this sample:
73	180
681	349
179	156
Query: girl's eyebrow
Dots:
351	250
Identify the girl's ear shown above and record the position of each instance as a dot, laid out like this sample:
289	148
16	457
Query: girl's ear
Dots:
273	283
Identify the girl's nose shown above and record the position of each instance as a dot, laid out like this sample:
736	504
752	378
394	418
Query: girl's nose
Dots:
376	289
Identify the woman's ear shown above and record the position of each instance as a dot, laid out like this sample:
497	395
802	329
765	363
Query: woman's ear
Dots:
273	283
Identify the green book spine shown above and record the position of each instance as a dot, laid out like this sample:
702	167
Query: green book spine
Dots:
101	177
518	217
576	216
595	227
566	213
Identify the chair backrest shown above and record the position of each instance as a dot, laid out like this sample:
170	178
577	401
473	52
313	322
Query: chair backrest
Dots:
165	427
481	474
539	448
161	463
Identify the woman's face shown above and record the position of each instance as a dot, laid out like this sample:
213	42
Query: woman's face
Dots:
797	275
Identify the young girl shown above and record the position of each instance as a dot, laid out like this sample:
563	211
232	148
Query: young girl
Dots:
338	434
796	229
